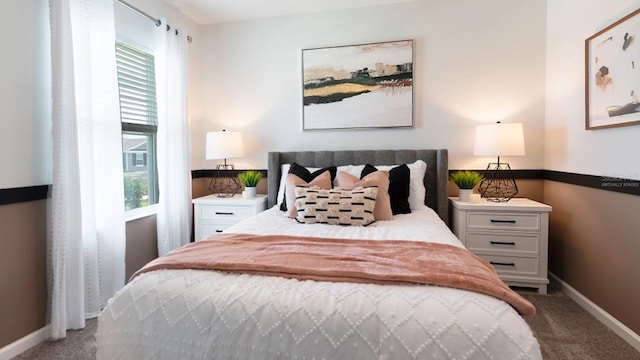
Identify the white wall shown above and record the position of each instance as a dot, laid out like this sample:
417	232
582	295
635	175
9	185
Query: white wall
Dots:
569	147
475	61
25	107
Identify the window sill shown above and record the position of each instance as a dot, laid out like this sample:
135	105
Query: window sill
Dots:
139	213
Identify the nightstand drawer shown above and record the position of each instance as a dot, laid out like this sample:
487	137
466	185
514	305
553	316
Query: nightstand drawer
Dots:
226	212
497	220
520	243
513	265
209	228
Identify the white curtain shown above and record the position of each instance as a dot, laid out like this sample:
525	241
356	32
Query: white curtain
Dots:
86	216
174	174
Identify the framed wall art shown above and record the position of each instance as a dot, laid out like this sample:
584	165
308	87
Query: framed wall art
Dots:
358	86
612	74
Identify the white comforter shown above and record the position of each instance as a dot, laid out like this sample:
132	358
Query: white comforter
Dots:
199	314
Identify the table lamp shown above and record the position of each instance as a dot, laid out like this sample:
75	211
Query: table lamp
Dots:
499	139
224	145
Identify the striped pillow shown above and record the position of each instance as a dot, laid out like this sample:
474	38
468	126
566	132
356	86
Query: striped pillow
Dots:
336	207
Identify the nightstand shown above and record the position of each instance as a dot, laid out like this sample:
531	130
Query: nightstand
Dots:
513	236
212	214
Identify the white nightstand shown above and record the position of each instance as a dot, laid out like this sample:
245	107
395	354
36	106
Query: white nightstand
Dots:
513	236
212	214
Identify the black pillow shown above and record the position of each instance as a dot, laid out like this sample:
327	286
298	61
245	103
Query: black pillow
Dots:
399	177
307	176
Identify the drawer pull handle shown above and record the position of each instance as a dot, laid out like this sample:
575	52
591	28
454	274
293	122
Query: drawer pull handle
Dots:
223	213
501	263
218	231
502	242
503	221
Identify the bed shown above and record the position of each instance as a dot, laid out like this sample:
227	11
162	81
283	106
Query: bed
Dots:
179	313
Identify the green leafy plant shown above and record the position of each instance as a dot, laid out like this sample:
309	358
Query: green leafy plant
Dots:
136	189
250	178
466	179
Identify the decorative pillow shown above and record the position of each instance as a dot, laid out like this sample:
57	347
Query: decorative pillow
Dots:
306	175
336	207
398	187
322	181
417	191
380	179
284	171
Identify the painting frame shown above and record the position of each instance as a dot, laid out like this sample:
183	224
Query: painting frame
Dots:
358	86
612	62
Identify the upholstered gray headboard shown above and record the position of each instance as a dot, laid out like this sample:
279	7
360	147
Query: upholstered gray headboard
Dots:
436	180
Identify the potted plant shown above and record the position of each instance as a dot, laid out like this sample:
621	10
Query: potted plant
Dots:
249	179
466	180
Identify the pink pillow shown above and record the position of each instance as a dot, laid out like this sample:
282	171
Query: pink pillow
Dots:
323	181
382	210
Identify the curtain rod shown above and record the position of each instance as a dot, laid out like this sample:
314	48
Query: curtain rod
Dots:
155	21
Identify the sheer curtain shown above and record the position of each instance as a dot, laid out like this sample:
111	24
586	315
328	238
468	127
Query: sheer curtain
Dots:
174	174
86	216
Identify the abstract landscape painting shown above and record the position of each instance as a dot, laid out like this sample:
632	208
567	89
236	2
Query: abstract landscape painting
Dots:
358	86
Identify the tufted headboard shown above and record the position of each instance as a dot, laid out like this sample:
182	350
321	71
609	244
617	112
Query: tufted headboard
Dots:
436	179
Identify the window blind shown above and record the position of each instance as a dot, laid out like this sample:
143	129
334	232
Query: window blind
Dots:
136	81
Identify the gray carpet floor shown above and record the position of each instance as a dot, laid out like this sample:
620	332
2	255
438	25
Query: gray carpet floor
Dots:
565	332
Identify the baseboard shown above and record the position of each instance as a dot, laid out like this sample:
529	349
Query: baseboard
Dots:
609	321
21	345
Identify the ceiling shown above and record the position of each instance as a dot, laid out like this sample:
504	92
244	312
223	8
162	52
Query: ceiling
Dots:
217	11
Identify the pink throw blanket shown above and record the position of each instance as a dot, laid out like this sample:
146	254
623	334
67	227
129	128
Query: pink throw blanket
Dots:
346	260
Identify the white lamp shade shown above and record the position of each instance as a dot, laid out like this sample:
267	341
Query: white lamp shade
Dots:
499	140
224	145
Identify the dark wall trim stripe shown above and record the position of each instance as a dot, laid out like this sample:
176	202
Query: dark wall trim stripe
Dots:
195	174
23	194
626	186
517	174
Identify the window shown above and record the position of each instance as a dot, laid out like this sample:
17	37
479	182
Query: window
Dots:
141	159
138	113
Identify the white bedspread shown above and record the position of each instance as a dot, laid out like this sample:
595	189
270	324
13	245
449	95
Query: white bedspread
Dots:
421	225
199	314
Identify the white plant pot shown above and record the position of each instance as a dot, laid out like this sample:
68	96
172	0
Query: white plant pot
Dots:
465	195
249	192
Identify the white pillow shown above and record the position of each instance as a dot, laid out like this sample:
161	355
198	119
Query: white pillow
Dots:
417	191
283	180
344	168
355	170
